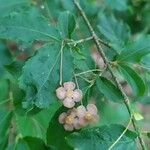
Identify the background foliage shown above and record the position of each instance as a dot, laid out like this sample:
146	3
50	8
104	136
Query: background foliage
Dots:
31	34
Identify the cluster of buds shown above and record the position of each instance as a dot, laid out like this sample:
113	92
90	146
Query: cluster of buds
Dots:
75	118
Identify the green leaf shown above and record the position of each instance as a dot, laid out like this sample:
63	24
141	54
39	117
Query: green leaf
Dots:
20	145
29	143
35	143
115	31
4	126
9	6
53	8
5	59
66	24
135	81
117	4
135	51
9	68
146	62
40	76
110	91
18	96
5	56
27	27
91	7
102	138
82	58
4	123
148	134
144	100
15	69
56	135
36	125
4	89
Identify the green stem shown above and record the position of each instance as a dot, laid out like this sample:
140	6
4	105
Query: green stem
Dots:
88	81
106	61
77	86
88	39
77	74
80	41
5	101
118	139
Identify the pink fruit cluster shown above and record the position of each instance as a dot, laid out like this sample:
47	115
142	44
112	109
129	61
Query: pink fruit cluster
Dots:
75	118
68	94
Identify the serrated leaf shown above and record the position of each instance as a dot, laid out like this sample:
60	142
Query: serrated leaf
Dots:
52	6
135	51
66	24
35	125
110	91
135	81
115	31
82	58
102	138
27	27
40	76
9	6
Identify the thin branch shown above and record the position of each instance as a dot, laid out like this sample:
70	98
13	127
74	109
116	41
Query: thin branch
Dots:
85	79
88	39
105	43
85	72
77	86
80	41
118	139
5	101
106	61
